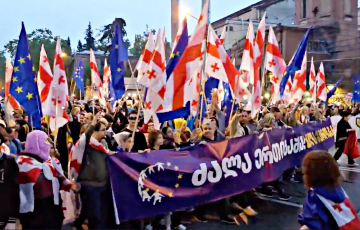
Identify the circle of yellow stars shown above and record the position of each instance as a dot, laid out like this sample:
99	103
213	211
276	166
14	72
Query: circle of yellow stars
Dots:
15	79
177	185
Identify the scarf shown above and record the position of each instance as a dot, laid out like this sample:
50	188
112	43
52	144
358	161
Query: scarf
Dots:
77	154
29	172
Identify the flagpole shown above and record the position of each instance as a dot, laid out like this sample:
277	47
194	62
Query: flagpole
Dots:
202	83
136	85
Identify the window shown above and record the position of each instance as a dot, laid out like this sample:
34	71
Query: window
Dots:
226	28
325	7
215	32
347	7
304	8
231	28
316	47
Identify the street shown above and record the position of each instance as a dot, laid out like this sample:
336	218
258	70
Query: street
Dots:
277	214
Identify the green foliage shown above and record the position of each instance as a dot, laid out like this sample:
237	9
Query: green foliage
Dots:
69	42
79	47
89	39
167	49
139	45
36	39
107	32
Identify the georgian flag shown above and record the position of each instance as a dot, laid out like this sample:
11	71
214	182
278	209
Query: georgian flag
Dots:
321	84
183	85
274	63
312	80
45	76
96	80
222	36
56	101
145	58
344	213
106	79
298	86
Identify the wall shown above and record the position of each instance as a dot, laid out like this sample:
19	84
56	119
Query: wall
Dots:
280	12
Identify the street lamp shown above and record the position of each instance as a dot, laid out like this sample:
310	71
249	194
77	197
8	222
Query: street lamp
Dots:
245	97
63	55
267	95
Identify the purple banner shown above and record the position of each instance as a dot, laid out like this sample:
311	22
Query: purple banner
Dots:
159	182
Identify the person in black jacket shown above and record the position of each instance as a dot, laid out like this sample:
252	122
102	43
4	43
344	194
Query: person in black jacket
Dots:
342	133
139	138
9	191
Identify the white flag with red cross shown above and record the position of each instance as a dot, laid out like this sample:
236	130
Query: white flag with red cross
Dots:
274	63
56	102
44	77
299	82
183	85
96	80
143	64
312	80
321	83
106	79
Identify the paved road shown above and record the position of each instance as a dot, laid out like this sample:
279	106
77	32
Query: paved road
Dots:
276	214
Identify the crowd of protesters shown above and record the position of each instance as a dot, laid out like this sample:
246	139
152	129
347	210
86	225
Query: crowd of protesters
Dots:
121	129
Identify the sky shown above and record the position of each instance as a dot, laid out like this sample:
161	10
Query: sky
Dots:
71	17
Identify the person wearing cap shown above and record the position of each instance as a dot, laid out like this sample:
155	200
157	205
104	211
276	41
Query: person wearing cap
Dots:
342	133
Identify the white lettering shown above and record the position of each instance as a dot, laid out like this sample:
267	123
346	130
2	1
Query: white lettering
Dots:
232	162
258	158
200	172
218	173
248	163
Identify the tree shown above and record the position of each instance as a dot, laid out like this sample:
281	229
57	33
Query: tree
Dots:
69	42
35	39
108	31
89	39
140	42
79	47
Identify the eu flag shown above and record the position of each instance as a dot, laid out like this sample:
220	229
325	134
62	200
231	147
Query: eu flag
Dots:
182	42
333	90
356	92
295	64
78	76
23	85
118	54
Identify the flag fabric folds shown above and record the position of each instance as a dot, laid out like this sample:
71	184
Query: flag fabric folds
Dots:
118	54
274	63
78	76
333	90
180	44
295	63
56	101
183	85
299	85
11	102
44	77
312	80
356	92
321	83
106	79
23	85
145	58
96	80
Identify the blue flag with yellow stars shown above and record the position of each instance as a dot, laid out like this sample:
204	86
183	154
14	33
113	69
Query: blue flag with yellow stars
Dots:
118	54
23	85
78	76
181	43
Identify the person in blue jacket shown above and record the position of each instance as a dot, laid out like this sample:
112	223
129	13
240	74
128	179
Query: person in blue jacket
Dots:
322	177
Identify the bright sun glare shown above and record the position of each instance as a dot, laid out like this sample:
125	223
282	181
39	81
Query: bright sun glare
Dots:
183	11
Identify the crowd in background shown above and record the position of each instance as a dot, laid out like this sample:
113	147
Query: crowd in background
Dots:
119	129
